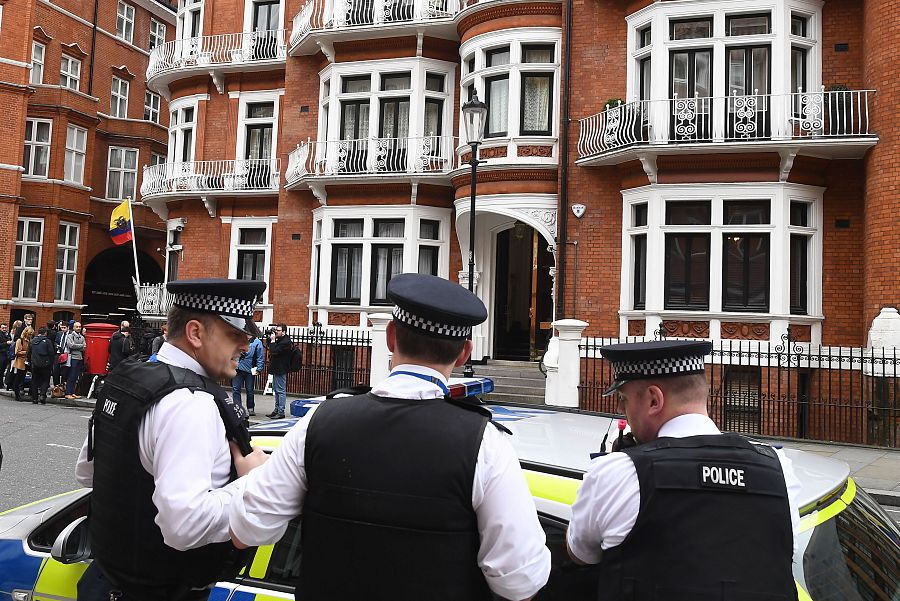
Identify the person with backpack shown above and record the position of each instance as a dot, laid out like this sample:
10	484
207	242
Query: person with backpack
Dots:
41	356
280	348
121	345
251	363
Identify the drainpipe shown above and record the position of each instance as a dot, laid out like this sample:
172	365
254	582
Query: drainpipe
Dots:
93	46
564	173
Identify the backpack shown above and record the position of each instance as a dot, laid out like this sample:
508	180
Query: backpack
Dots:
296	359
42	353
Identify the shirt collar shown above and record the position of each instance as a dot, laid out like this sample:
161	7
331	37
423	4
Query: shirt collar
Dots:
172	355
690	424
403	386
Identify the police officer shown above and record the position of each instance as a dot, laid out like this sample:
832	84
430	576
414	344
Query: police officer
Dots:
158	456
688	513
404	495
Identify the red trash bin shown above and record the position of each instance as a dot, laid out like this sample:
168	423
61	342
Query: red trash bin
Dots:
96	353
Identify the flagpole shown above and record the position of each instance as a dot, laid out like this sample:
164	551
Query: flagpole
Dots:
137	273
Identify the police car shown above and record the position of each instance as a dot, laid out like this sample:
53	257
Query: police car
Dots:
848	548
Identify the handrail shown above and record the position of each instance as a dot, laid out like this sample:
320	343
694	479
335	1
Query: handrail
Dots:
220	49
212	176
426	154
800	115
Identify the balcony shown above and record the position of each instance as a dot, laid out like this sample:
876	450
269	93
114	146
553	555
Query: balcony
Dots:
152	299
216	55
394	159
245	177
320	22
825	124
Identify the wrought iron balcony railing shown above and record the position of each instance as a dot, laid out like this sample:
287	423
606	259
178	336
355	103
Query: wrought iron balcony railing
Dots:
221	50
748	118
243	175
429	154
152	299
339	14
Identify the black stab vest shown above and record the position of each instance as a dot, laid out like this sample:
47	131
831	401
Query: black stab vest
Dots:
388	515
714	525
124	537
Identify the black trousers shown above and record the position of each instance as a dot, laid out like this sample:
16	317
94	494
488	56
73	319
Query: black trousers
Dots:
40	382
95	586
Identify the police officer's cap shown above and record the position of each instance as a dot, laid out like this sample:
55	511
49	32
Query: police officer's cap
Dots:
232	300
658	359
435	307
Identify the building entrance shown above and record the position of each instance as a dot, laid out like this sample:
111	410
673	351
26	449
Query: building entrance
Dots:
522	299
108	287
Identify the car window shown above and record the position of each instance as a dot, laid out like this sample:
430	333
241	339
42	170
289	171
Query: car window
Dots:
284	566
44	536
568	581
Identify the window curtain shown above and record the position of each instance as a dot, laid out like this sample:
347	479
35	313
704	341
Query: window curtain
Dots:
388	262
536	111
498	103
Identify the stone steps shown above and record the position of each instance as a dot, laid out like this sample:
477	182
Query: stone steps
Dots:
514	381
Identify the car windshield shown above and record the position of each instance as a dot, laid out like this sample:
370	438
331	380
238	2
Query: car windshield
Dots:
853	556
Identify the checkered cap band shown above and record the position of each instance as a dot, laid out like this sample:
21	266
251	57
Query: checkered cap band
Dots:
432	327
631	370
211	303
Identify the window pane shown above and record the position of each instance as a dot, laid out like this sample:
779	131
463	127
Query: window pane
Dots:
434	82
536	90
639	215
129	179
429	229
428	260
798	71
799	292
261	110
20	231
689	30
115	157
748	25
800	214
396	81
640	271
60	258
434	110
29	287
389	228
348	228
252	235
346	273
498	105
250	264
32	256
688	213
644	37
131	159
745	272
687	271
35	229
387	261
356	84
41	160
543	53
42	131
798	26
496	57
746	212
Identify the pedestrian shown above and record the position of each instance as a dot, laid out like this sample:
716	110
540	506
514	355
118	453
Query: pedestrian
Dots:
404	494
60	369
251	363
75	345
11	356
27	322
20	363
6	341
280	348
121	345
41	356
158	341
690	512
159	458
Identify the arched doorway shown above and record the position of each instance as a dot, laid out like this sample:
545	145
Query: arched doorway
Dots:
108	286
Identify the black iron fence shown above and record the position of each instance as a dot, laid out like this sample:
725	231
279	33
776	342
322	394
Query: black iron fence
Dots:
788	390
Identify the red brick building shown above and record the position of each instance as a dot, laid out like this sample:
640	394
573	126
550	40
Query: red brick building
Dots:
699	167
80	124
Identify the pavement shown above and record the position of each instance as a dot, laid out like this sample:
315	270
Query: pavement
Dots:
876	469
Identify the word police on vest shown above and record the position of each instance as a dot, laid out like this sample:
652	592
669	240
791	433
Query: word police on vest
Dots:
109	408
719	476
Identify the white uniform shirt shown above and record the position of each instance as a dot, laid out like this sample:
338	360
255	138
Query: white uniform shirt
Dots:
606	507
182	445
513	556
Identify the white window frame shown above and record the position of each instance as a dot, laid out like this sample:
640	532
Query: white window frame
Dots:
37	147
38	56
151	110
125	21
178	127
76	149
19	269
184	19
239	223
323	237
780	195
69	72
330	94
65	250
515	39
119	173
157	159
246	98
157	33
118	98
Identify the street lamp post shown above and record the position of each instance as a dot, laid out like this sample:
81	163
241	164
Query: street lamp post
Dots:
475	115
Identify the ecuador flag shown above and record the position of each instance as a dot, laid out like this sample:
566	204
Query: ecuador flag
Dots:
120	223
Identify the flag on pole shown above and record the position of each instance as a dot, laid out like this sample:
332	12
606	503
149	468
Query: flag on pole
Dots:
120	223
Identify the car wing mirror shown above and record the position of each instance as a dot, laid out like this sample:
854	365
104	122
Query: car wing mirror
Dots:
72	546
